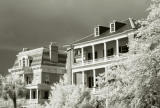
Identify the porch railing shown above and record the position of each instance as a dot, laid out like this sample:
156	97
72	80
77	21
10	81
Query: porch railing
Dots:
100	59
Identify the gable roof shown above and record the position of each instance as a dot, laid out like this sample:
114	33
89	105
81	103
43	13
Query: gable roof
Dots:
129	24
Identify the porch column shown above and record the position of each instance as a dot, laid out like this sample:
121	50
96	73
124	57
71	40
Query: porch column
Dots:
83	83
72	78
106	68
117	47
82	55
23	78
37	95
94	78
30	94
105	51
93	53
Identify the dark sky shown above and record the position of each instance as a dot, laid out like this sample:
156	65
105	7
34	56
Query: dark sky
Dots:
35	23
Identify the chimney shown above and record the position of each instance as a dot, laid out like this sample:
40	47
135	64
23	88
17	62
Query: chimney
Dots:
25	49
53	52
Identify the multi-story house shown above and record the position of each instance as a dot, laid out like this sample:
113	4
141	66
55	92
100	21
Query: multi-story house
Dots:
91	55
39	68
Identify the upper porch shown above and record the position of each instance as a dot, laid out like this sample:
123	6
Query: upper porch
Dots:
102	52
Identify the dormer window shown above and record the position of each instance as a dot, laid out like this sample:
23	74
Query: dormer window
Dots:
25	61
112	27
96	31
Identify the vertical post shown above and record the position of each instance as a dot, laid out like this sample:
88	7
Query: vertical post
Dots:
37	95
106	68
30	94
83	83
94	79
93	53
72	78
117	47
82	55
23	78
105	51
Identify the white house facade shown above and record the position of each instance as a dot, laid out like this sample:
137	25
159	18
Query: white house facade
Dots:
40	68
90	56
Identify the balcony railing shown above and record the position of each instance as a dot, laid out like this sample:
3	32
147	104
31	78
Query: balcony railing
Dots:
101	59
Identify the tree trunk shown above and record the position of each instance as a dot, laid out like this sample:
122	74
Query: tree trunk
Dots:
14	100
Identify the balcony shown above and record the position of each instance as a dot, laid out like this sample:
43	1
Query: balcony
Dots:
101	53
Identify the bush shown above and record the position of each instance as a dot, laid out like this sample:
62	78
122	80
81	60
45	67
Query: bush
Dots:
70	96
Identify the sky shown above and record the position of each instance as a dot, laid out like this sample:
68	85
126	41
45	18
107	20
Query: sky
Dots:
35	23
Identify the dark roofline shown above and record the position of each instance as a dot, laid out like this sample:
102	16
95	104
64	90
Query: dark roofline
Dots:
76	42
105	37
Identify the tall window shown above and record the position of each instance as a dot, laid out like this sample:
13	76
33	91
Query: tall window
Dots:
30	61
28	79
90	82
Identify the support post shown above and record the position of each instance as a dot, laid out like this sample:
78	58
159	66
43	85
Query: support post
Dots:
72	78
82	55
94	79
37	95
23	78
117	48
83	83
30	94
93	53
105	51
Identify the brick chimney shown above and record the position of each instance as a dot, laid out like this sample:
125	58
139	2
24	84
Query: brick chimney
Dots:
53	52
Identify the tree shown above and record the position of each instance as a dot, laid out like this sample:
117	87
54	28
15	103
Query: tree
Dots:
13	88
135	82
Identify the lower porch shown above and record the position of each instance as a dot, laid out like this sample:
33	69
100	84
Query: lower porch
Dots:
36	96
87	78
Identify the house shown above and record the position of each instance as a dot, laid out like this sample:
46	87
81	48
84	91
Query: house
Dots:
90	56
40	68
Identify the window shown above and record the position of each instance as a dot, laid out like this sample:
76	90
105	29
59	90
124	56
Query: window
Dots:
34	94
110	52
123	49
90	82
46	79
46	94
28	80
89	56
112	27
96	55
96	31
30	62
23	62
78	52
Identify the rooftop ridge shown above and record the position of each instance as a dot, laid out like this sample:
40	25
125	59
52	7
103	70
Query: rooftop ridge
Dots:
82	38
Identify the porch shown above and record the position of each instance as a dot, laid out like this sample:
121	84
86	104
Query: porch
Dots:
88	78
35	96
101	52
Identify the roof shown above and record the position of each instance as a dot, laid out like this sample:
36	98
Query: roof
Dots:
129	24
40	56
